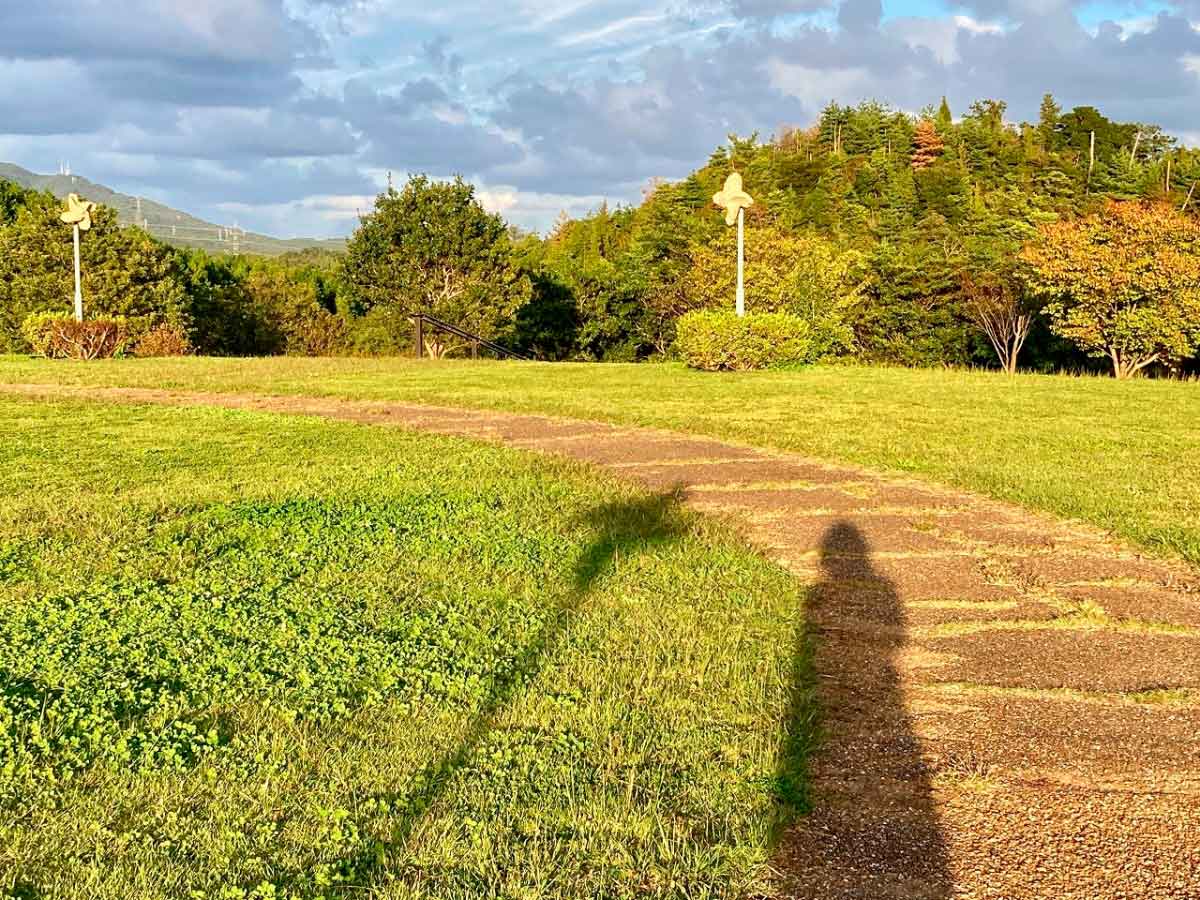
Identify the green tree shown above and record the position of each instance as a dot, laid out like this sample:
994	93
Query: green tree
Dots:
432	248
1048	123
1082	122
989	113
1123	284
944	118
12	198
222	319
292	309
995	302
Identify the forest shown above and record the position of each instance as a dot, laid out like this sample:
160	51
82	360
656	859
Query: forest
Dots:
932	239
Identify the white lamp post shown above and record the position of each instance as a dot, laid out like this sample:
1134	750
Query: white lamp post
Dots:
78	215
735	201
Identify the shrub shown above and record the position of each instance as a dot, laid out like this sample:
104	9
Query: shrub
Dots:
163	340
315	332
383	331
722	341
59	336
38	330
803	274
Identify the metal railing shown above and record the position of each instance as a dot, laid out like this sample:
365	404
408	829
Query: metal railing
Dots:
424	320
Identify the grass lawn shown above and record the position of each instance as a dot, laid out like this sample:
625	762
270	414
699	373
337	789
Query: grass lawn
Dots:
1121	455
252	656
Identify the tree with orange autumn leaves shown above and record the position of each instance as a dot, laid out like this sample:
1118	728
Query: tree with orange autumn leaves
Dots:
1123	284
928	145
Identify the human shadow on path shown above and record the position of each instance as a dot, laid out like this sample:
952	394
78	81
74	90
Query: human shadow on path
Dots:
873	829
621	529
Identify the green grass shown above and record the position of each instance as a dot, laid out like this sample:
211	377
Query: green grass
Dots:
1123	456
253	656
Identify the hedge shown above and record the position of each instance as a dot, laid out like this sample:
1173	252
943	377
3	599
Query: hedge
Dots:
722	341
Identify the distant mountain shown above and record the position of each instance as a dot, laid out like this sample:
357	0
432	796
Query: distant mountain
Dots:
167	224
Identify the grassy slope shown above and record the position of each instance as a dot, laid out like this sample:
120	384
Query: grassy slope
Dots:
253	656
1125	456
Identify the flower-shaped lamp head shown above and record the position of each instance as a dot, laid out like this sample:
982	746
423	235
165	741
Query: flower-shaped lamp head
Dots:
733	199
79	212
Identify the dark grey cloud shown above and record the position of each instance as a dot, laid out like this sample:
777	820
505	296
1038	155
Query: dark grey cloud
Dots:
423	92
259	31
203	187
240	134
54	98
1136	77
420	128
217	101
591	134
199	53
195	83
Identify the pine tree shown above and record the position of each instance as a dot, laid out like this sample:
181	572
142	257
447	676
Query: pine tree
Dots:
832	126
927	145
944	117
1048	122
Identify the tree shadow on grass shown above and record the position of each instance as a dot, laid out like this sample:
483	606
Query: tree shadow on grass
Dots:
873	831
621	529
625	529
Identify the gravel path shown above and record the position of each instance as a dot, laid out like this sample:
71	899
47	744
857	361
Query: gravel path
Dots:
1012	702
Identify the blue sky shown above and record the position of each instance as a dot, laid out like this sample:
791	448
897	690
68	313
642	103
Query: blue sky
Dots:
286	115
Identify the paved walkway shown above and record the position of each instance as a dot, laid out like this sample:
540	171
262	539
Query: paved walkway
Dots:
1012	701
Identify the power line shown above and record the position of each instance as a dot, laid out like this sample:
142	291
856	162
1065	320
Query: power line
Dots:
232	239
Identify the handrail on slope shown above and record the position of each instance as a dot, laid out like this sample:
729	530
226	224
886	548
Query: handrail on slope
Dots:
421	320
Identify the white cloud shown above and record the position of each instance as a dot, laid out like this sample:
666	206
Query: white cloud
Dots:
816	87
609	29
319	215
534	210
975	26
540	14
940	36
451	115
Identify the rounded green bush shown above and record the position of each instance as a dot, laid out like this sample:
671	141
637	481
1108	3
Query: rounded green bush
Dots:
719	340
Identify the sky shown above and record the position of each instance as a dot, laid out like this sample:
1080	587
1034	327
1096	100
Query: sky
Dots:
287	116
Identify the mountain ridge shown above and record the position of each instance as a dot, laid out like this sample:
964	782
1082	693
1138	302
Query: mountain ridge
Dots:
172	226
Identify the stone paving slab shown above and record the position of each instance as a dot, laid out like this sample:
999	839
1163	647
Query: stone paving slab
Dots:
1088	659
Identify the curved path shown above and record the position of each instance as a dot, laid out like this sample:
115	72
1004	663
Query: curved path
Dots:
1012	701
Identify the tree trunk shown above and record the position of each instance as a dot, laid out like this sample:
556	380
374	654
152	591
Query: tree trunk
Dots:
1125	367
1091	162
1007	333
